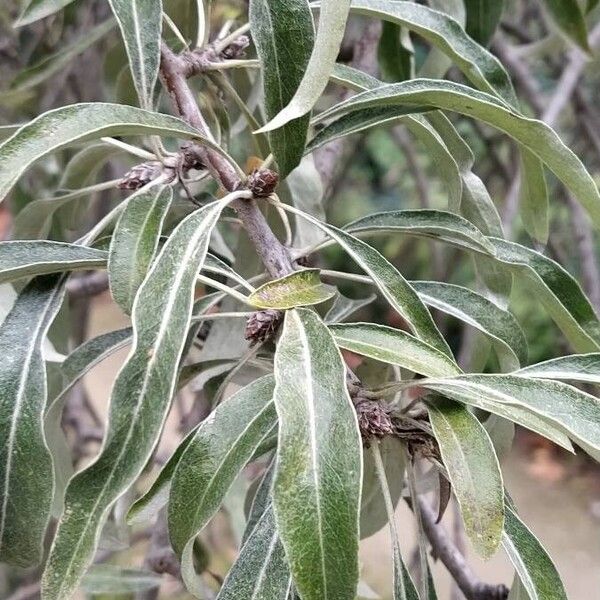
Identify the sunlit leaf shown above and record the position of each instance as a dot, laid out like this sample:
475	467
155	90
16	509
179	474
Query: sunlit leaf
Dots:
575	367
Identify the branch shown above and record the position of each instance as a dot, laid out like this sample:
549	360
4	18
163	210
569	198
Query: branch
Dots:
174	72
454	561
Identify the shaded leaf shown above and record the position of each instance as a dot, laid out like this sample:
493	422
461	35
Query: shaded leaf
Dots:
300	288
569	18
283	33
344	307
116	580
135	240
483	16
25	463
534	197
318	470
39	9
473	470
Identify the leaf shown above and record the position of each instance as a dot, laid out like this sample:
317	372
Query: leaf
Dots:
219	450
534	197
20	259
373	512
114	580
25	462
473	470
343	307
140	400
300	288
569	18
480	66
60	127
260	571
140	22
393	346
576	367
396	290
55	63
535	568
135	240
404	588
283	33
261	500
318	469
437	224
532	134
39	9
574	412
483	17
477	311
395	53
332	25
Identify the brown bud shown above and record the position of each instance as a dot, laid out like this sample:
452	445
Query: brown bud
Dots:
263	325
236	48
262	182
140	175
374	419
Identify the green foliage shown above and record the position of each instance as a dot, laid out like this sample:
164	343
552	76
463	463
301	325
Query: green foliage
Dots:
333	450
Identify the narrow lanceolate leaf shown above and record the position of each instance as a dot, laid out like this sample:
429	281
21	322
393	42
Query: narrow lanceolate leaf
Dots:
261	501
572	411
80	122
332	24
24	259
474	472
38	9
535	568
534	197
442	31
135	241
260	571
139	402
569	18
26	482
472	308
343	307
532	134
113	581
300	288
393	346
219	450
396	290
318	471
576	367
140	22
283	33
483	16
437	224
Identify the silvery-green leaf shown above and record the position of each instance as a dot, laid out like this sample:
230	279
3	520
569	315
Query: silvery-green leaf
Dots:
140	22
7	130
135	240
352	78
113	580
86	164
531	561
26	258
26	481
331	28
396	290
534	135
575	367
517	590
395	53
38	9
474	472
569	18
344	307
300	288
393	346
260	571
261	501
283	33
474	309
437	224
373	512
483	16
534	197
60	127
51	65
445	33
212	264
220	448
572	411
318	469
140	400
